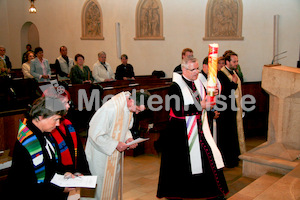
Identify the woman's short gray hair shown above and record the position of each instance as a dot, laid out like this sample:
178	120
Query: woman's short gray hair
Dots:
101	53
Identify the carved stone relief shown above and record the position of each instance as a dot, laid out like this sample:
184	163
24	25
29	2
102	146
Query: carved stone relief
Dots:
224	20
92	21
149	20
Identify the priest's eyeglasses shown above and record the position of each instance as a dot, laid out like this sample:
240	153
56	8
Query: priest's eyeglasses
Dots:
192	70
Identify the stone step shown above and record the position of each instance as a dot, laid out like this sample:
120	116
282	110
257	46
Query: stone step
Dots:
288	187
238	185
256	165
257	187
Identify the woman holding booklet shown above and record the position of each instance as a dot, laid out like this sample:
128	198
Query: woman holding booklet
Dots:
35	157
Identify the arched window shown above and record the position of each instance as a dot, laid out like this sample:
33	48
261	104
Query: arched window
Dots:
224	20
92	21
149	20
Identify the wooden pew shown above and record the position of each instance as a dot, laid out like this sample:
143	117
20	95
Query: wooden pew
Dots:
9	125
73	89
144	77
16	73
24	89
27	91
116	83
114	87
157	119
16	93
147	80
156	86
9	120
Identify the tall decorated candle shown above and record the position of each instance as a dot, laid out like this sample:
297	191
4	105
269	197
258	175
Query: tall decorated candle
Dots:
212	71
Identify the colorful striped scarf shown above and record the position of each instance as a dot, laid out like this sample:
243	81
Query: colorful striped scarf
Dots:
33	146
66	157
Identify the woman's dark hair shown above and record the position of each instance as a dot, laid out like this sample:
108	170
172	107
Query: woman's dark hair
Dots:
46	107
78	55
38	49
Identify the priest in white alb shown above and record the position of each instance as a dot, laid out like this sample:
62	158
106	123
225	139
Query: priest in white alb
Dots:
107	137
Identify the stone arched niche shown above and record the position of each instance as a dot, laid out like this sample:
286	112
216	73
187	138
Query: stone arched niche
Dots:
149	20
92	21
224	20
29	35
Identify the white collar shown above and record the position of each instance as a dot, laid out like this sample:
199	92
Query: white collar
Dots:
228	68
187	78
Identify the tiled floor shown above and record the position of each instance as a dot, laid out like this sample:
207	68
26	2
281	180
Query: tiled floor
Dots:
141	175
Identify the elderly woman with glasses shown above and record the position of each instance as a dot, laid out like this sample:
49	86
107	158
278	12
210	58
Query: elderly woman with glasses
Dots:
35	157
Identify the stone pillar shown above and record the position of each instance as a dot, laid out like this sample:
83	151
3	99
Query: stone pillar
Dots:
280	154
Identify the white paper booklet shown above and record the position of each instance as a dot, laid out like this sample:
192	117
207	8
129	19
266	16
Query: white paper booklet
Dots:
138	140
79	181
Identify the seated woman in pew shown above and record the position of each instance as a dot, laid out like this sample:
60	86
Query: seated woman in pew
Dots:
80	73
102	70
125	70
26	65
35	156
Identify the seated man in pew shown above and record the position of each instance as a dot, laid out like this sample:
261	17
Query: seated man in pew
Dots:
4	57
63	64
4	71
4	68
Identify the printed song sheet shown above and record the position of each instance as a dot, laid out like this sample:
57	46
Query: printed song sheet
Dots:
78	181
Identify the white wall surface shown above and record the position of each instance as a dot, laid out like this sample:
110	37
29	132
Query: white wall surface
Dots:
59	23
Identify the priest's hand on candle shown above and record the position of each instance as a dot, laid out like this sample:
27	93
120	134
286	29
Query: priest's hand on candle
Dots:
122	146
133	145
216	92
206	104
